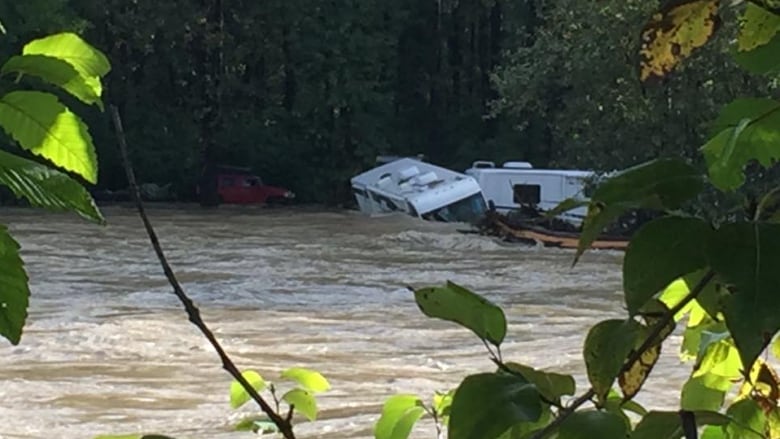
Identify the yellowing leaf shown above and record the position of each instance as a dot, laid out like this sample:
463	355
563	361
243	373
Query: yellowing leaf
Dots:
757	27
42	125
239	395
631	381
673	33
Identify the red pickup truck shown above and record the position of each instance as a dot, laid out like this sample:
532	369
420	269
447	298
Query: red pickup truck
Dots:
239	186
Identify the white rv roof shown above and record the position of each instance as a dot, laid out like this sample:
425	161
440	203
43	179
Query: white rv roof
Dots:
395	168
533	171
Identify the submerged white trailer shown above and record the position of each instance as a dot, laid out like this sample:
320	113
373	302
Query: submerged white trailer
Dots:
419	189
517	184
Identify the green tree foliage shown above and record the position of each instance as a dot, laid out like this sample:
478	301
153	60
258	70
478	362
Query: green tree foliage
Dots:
721	276
41	125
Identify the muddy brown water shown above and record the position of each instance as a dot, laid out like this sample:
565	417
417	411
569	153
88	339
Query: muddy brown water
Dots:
108	349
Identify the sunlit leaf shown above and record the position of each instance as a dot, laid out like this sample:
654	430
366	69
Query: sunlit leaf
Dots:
310	380
46	187
14	290
660	252
749	421
54	71
399	414
658	184
757	27
673	33
239	395
91	63
750	134
486	405
745	255
457	304
442	404
593	424
718	356
606	347
776	348
551	385
303	402
41	124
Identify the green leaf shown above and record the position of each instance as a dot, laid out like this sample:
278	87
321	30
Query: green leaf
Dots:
668	425
310	380
696	395
660	252
763	60
593	424
14	290
303	402
91	63
399	414
758	27
257	424
749	421
41	124
776	347
239	395
738	109
526	430
46	187
751	135
487	405
2	28
442	403
550	385
606	347
457	304
718	356
54	71
658	184
565	206
745	255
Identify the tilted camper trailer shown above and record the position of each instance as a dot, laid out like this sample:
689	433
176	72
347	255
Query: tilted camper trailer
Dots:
419	189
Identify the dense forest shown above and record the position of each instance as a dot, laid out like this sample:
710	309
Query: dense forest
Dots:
307	93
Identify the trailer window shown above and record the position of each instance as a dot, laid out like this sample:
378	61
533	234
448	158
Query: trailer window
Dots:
527	194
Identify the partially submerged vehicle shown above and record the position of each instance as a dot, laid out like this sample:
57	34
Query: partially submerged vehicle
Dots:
238	185
418	189
517	185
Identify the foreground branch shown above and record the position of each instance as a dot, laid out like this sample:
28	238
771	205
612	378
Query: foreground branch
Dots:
649	342
284	424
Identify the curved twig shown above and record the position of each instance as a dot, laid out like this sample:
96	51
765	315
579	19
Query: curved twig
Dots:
284	424
649	342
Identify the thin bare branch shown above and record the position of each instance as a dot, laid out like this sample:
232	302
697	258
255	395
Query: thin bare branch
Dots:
284	425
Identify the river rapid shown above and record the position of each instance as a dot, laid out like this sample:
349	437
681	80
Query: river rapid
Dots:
108	349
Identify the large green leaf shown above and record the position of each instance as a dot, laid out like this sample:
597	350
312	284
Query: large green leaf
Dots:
488	404
668	425
758	27
593	424
308	379
697	395
303	402
399	414
54	71
91	63
238	395
551	385
606	347
763	60
658	184
14	291
660	252
745	255
457	304
749	132
46	187
41	124
749	420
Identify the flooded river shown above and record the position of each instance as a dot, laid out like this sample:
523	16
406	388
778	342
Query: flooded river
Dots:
107	348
